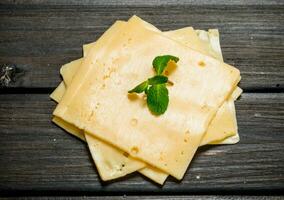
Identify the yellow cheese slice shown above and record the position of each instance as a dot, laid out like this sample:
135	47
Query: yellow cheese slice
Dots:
186	31
211	42
181	35
237	92
69	128
235	138
207	43
202	110
58	93
187	36
111	162
120	163
87	48
69	70
191	39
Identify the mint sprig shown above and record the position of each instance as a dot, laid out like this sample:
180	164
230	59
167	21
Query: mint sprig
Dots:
158	99
161	62
155	87
140	88
158	79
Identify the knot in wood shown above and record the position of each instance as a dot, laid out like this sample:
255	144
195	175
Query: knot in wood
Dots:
7	74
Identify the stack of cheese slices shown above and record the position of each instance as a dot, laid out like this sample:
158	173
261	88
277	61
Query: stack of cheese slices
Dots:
122	134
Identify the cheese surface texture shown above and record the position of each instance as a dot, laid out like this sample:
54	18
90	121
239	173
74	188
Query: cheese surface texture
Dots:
120	163
127	123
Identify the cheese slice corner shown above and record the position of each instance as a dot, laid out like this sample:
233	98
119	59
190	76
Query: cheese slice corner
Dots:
58	93
120	163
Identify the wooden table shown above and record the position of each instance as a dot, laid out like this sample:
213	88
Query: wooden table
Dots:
38	158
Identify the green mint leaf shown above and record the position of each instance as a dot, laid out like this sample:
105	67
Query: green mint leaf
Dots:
161	62
158	99
158	79
140	88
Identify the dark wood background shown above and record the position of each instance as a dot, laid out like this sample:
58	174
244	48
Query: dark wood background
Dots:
38	158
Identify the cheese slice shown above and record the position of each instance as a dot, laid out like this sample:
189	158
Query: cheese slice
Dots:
68	70
191	39
211	42
235	138
58	93
135	137
69	128
208	43
85	50
187	36
111	163
120	163
151	172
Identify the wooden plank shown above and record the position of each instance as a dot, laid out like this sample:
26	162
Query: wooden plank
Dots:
36	156
195	197
39	39
142	2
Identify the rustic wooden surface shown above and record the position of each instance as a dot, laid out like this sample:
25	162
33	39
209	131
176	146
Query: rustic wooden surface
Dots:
38	158
195	197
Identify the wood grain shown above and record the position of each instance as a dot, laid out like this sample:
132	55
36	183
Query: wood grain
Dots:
36	156
39	38
141	2
193	197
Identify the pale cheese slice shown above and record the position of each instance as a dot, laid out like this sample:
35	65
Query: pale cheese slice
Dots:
211	42
207	43
235	138
226	123
111	163
58	93
187	36
111	158
69	128
202	114
192	37
69	70
120	163
237	93
128	164
87	48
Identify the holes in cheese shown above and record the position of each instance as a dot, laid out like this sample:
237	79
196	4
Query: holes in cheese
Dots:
119	165
123	145
145	171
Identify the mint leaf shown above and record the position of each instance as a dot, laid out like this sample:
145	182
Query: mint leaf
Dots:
155	87
161	62
140	88
158	99
158	79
